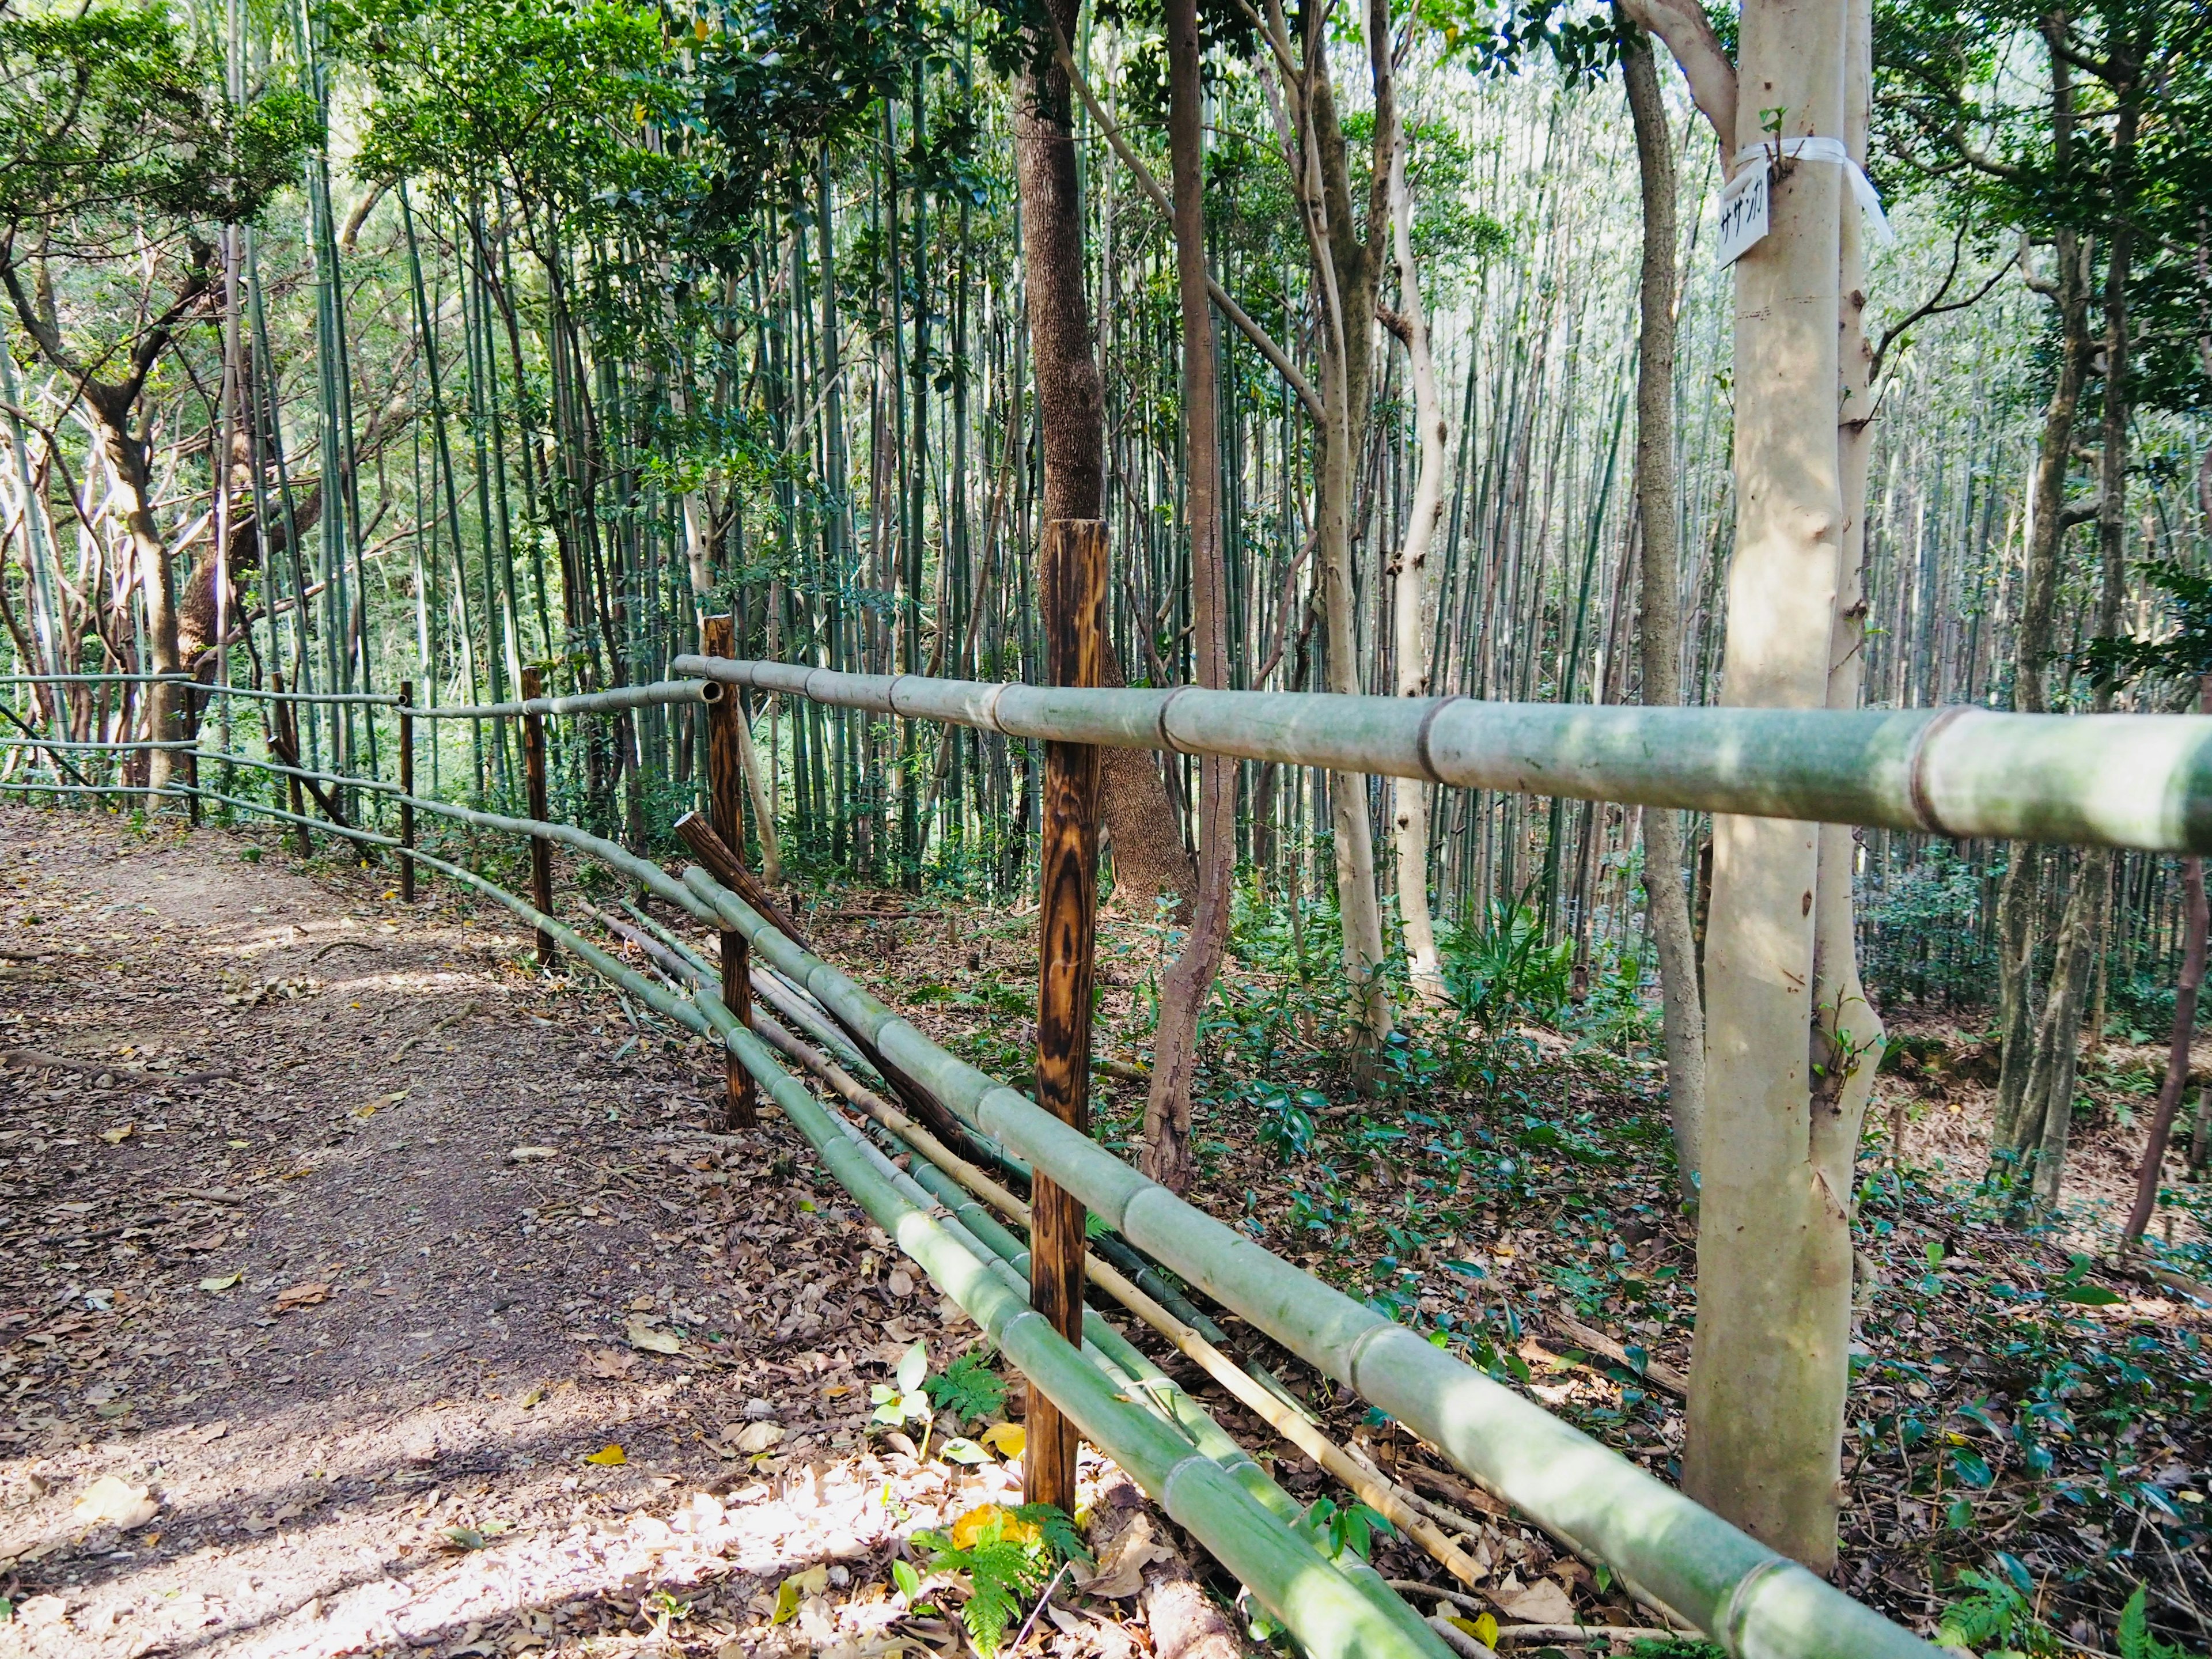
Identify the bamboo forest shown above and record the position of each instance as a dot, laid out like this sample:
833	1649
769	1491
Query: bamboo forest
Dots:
1167	828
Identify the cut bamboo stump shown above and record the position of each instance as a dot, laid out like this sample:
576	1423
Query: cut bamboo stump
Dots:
1074	583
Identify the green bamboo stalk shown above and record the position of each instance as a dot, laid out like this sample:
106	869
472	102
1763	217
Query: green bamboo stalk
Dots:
2141	781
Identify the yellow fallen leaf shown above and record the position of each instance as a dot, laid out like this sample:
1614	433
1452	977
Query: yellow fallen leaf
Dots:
759	1436
607	1456
812	1581
1483	1628
652	1339
971	1526
1006	1439
116	1137
222	1282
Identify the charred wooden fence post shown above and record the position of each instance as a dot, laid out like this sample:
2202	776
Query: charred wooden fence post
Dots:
407	788
1074	588
287	719
533	776
726	785
194	706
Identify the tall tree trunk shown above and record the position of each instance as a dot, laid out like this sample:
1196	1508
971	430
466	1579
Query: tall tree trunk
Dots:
1189	979
1344	267
1413	600
1150	860
2018	900
127	459
2044	1119
1660	623
2194	923
1774	1256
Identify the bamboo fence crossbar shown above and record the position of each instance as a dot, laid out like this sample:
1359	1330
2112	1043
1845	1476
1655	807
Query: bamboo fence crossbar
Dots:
374	786
589	703
88	746
1679	1555
2138	781
373	699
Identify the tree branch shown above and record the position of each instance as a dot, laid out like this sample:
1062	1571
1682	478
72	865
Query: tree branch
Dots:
1683	25
1934	305
1228	307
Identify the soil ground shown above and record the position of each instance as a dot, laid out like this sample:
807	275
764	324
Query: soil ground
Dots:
347	1237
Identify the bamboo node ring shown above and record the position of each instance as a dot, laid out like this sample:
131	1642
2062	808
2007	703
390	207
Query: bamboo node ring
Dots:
1916	762
890	695
1729	1627
1167	737
1421	737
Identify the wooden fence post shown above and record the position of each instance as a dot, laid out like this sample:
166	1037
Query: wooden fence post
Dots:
287	730
407	788
726	785
1074	593
533	774
193	757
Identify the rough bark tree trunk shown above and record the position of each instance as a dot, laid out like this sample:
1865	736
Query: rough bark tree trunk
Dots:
1149	860
2177	1056
1189	978
1660	623
126	458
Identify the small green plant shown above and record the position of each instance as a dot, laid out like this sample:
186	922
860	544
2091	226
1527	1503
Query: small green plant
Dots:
1996	1618
1006	1557
902	1400
966	1389
2134	1637
1337	1532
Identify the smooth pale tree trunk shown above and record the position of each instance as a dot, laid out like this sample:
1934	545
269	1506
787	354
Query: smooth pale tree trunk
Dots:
1344	272
1774	1254
1189	978
1413	600
1659	620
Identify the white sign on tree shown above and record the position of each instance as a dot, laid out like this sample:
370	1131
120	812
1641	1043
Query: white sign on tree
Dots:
1743	210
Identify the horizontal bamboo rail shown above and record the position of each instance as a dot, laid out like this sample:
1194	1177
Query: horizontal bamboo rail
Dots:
373	699
121	745
1674	1553
588	702
2140	780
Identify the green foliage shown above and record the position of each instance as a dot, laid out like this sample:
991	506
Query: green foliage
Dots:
1501	970
2182	653
112	119
1923	932
1997	1616
966	1388
1007	1555
1340	1531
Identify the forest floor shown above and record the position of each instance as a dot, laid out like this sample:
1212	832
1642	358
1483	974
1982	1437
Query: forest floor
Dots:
364	1289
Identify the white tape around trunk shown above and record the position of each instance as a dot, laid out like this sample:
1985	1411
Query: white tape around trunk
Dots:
1743	202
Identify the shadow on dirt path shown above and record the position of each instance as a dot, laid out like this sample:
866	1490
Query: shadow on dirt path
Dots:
338	1236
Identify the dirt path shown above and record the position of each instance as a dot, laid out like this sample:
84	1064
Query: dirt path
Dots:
345	1236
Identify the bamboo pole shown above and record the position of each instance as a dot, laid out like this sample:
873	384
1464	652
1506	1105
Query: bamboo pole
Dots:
2141	781
594	703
